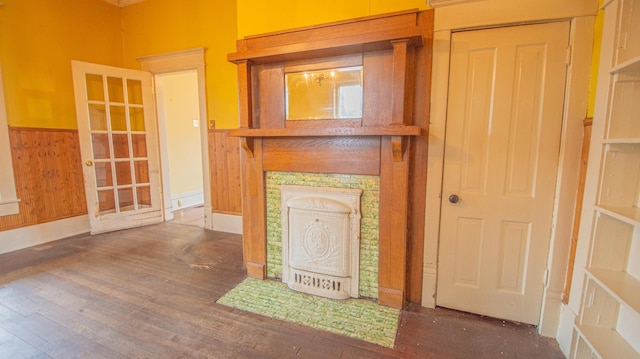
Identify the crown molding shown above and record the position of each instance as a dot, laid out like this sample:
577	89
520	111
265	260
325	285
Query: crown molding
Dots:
123	3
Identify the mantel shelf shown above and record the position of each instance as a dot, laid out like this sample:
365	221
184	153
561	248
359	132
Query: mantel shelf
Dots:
397	133
330	47
328	131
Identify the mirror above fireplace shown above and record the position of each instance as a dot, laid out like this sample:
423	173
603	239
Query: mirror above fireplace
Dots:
329	94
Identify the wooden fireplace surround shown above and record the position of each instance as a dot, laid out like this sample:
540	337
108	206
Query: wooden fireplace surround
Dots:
389	141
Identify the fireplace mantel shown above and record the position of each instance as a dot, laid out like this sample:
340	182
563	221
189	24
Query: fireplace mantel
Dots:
396	133
389	141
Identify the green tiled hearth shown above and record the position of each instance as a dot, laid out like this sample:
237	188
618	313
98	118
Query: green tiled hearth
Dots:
355	318
369	231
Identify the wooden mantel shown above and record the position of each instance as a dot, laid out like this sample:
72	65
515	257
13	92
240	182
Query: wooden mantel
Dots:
389	141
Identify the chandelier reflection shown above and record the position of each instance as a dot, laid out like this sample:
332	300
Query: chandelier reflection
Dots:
319	76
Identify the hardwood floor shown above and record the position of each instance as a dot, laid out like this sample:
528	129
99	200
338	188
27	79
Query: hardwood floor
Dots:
193	216
150	293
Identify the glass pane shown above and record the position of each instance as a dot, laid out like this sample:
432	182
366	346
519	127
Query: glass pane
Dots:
106	201
120	145
95	87
116	89
144	197
139	144
103	174
142	171
118	118
123	173
136	116
97	118
134	88
125	197
100	142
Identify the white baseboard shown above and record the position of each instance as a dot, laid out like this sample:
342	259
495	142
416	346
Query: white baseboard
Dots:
226	223
187	199
429	277
550	313
565	329
24	237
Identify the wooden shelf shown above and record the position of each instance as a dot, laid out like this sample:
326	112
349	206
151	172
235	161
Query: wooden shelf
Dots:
607	343
372	41
328	132
624	287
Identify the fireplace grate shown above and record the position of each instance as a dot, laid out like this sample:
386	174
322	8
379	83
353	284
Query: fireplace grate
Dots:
318	284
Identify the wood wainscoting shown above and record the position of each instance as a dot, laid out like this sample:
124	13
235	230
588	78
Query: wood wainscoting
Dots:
48	174
224	172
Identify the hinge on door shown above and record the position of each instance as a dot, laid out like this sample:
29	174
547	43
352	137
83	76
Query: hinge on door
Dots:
569	54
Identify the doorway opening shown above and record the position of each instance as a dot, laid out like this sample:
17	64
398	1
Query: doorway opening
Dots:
179	124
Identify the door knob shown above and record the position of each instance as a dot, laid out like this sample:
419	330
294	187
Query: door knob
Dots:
88	163
454	198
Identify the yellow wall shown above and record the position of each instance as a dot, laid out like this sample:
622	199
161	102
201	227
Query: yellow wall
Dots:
159	26
256	16
38	40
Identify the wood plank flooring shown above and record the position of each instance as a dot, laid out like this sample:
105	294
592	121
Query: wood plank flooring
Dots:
150	293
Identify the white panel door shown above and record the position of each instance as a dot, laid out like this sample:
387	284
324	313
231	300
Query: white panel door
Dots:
119	146
505	104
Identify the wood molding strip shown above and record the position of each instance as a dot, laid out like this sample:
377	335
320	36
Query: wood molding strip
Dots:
328	131
584	161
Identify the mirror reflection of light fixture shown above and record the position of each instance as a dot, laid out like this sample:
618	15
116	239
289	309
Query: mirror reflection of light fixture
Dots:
334	93
320	76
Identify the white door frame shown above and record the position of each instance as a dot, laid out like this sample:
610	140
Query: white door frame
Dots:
576	92
192	59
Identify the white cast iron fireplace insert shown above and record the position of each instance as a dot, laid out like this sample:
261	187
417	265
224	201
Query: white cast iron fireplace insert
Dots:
321	240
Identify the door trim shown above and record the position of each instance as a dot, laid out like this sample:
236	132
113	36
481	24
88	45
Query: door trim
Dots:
577	87
191	59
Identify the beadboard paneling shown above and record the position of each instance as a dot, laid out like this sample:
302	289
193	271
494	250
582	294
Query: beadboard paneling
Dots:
48	174
224	171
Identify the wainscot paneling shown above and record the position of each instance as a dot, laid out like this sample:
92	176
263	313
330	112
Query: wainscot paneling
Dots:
48	174
224	171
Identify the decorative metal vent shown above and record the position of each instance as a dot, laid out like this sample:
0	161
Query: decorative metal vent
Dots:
318	284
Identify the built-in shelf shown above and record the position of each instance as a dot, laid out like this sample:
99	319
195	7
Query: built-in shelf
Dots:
631	66
328	131
622	286
609	316
607	343
622	141
629	215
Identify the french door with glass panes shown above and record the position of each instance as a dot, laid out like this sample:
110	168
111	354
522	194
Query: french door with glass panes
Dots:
119	145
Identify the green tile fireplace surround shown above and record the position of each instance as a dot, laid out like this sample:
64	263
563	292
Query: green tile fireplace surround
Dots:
369	231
